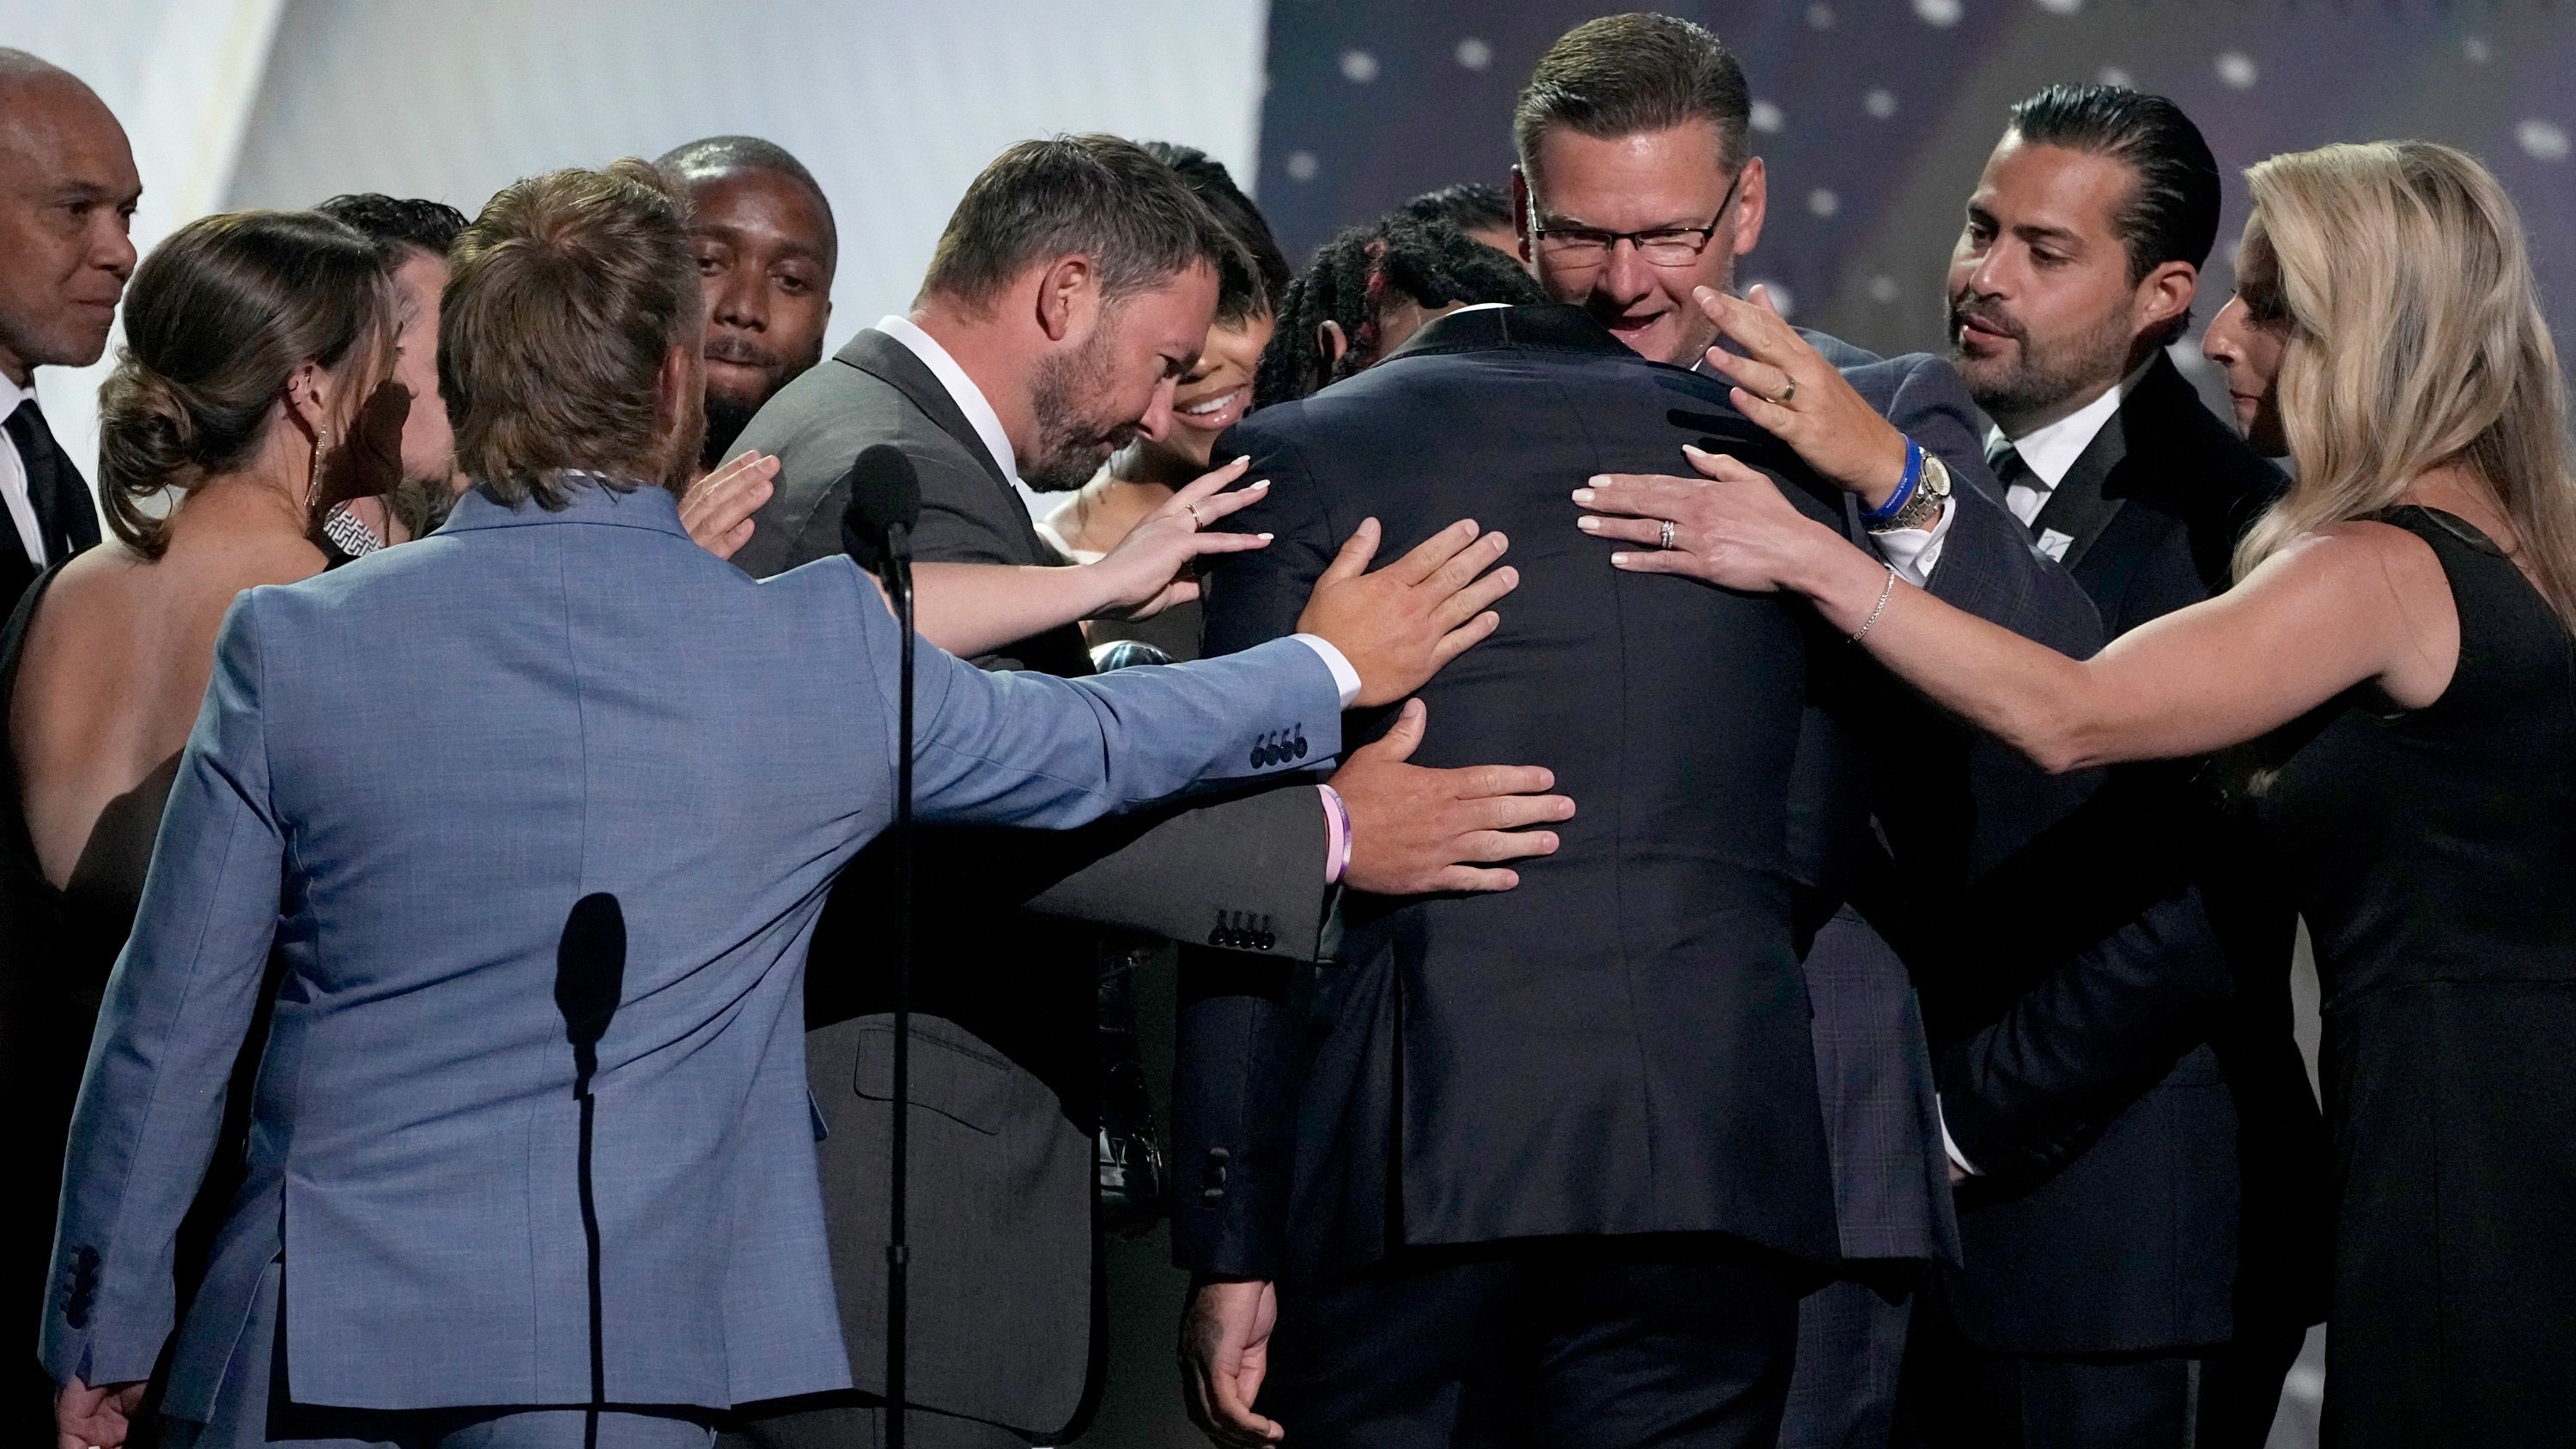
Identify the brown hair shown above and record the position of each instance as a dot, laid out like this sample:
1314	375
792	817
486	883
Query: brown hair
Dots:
216	320
1628	75
1099	196
564	297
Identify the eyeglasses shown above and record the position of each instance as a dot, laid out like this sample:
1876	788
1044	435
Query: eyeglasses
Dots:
1665	246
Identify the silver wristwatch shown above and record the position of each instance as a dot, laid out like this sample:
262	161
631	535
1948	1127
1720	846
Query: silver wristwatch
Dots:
1931	494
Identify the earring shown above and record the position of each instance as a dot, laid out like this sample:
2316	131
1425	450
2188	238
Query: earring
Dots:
313	478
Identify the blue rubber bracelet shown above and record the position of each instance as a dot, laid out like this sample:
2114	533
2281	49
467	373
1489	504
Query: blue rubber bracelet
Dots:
1905	487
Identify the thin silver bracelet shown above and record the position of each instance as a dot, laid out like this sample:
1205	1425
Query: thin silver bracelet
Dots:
1884	595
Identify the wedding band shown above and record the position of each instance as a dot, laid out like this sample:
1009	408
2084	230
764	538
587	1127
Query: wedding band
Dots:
1788	391
1667	540
1193	510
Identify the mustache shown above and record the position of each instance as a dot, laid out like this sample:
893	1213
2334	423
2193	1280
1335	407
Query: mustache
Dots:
1963	312
730	347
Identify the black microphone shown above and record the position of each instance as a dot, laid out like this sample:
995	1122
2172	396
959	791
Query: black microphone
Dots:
885	503
590	977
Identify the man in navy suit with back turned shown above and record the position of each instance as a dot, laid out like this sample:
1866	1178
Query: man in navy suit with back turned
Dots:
1592	158
1635	188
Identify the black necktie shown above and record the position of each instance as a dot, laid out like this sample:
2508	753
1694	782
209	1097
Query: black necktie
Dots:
55	490
2005	460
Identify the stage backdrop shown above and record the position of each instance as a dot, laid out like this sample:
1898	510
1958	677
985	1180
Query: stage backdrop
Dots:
1874	117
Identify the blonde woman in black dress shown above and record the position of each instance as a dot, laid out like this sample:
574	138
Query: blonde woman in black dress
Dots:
2398	652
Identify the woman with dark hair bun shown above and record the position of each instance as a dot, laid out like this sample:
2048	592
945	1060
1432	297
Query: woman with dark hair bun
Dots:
250	341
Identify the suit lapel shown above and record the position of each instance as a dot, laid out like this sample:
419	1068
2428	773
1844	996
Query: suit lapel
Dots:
894	364
2081	506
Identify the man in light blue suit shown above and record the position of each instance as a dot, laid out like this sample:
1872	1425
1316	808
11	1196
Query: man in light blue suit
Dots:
584	703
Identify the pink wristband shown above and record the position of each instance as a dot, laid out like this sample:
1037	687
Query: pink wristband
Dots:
1337	835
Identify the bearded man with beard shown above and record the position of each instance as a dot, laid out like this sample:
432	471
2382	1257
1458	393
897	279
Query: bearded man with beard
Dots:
2141	1253
1070	291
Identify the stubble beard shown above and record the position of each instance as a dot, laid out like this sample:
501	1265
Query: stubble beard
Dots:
1071	443
2038	378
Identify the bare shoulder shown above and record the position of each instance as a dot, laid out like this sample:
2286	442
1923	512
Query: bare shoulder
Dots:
2368	556
2391	584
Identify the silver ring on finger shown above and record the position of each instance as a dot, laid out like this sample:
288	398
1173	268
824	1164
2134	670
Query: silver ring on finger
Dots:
1666	540
1788	391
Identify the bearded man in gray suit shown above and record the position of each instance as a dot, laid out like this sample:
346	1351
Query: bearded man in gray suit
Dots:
1069	292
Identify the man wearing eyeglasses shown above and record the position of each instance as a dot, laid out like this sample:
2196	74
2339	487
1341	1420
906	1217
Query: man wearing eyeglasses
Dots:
1635	194
1557	1172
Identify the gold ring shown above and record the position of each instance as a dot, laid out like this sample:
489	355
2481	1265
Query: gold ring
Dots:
1788	392
1193	510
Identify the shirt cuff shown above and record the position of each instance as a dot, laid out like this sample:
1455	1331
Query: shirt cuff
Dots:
1913	551
1957	1158
1345	678
1337	835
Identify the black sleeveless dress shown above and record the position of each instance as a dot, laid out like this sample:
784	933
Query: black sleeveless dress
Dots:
57	949
2433	855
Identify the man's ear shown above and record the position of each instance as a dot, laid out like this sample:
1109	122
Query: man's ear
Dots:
2163	295
1330	343
1752	203
1521	213
1068	297
671	384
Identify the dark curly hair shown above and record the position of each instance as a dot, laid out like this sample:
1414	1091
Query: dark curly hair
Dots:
396	221
1466	205
1355	276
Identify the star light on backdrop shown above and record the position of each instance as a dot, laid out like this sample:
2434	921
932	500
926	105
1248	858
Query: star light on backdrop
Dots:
1874	119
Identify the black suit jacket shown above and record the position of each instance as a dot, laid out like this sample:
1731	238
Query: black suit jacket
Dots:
2152	1151
1005	1276
1622	1044
79	527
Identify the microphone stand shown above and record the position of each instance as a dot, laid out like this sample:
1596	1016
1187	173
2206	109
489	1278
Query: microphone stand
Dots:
898	581
585	1063
590	975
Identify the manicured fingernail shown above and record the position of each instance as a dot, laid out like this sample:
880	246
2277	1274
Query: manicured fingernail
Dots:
1619	560
1588	524
1583	496
1264	537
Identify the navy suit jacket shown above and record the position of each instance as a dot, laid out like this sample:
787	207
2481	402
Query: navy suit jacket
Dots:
587	702
1622	1044
2153	1155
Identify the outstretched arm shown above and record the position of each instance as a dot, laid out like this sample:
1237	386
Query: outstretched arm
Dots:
975	608
2349	605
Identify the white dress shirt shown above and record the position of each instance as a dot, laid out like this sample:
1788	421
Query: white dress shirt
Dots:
13	479
987	423
2050	450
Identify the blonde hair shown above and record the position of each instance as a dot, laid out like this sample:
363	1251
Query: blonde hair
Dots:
2414	339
